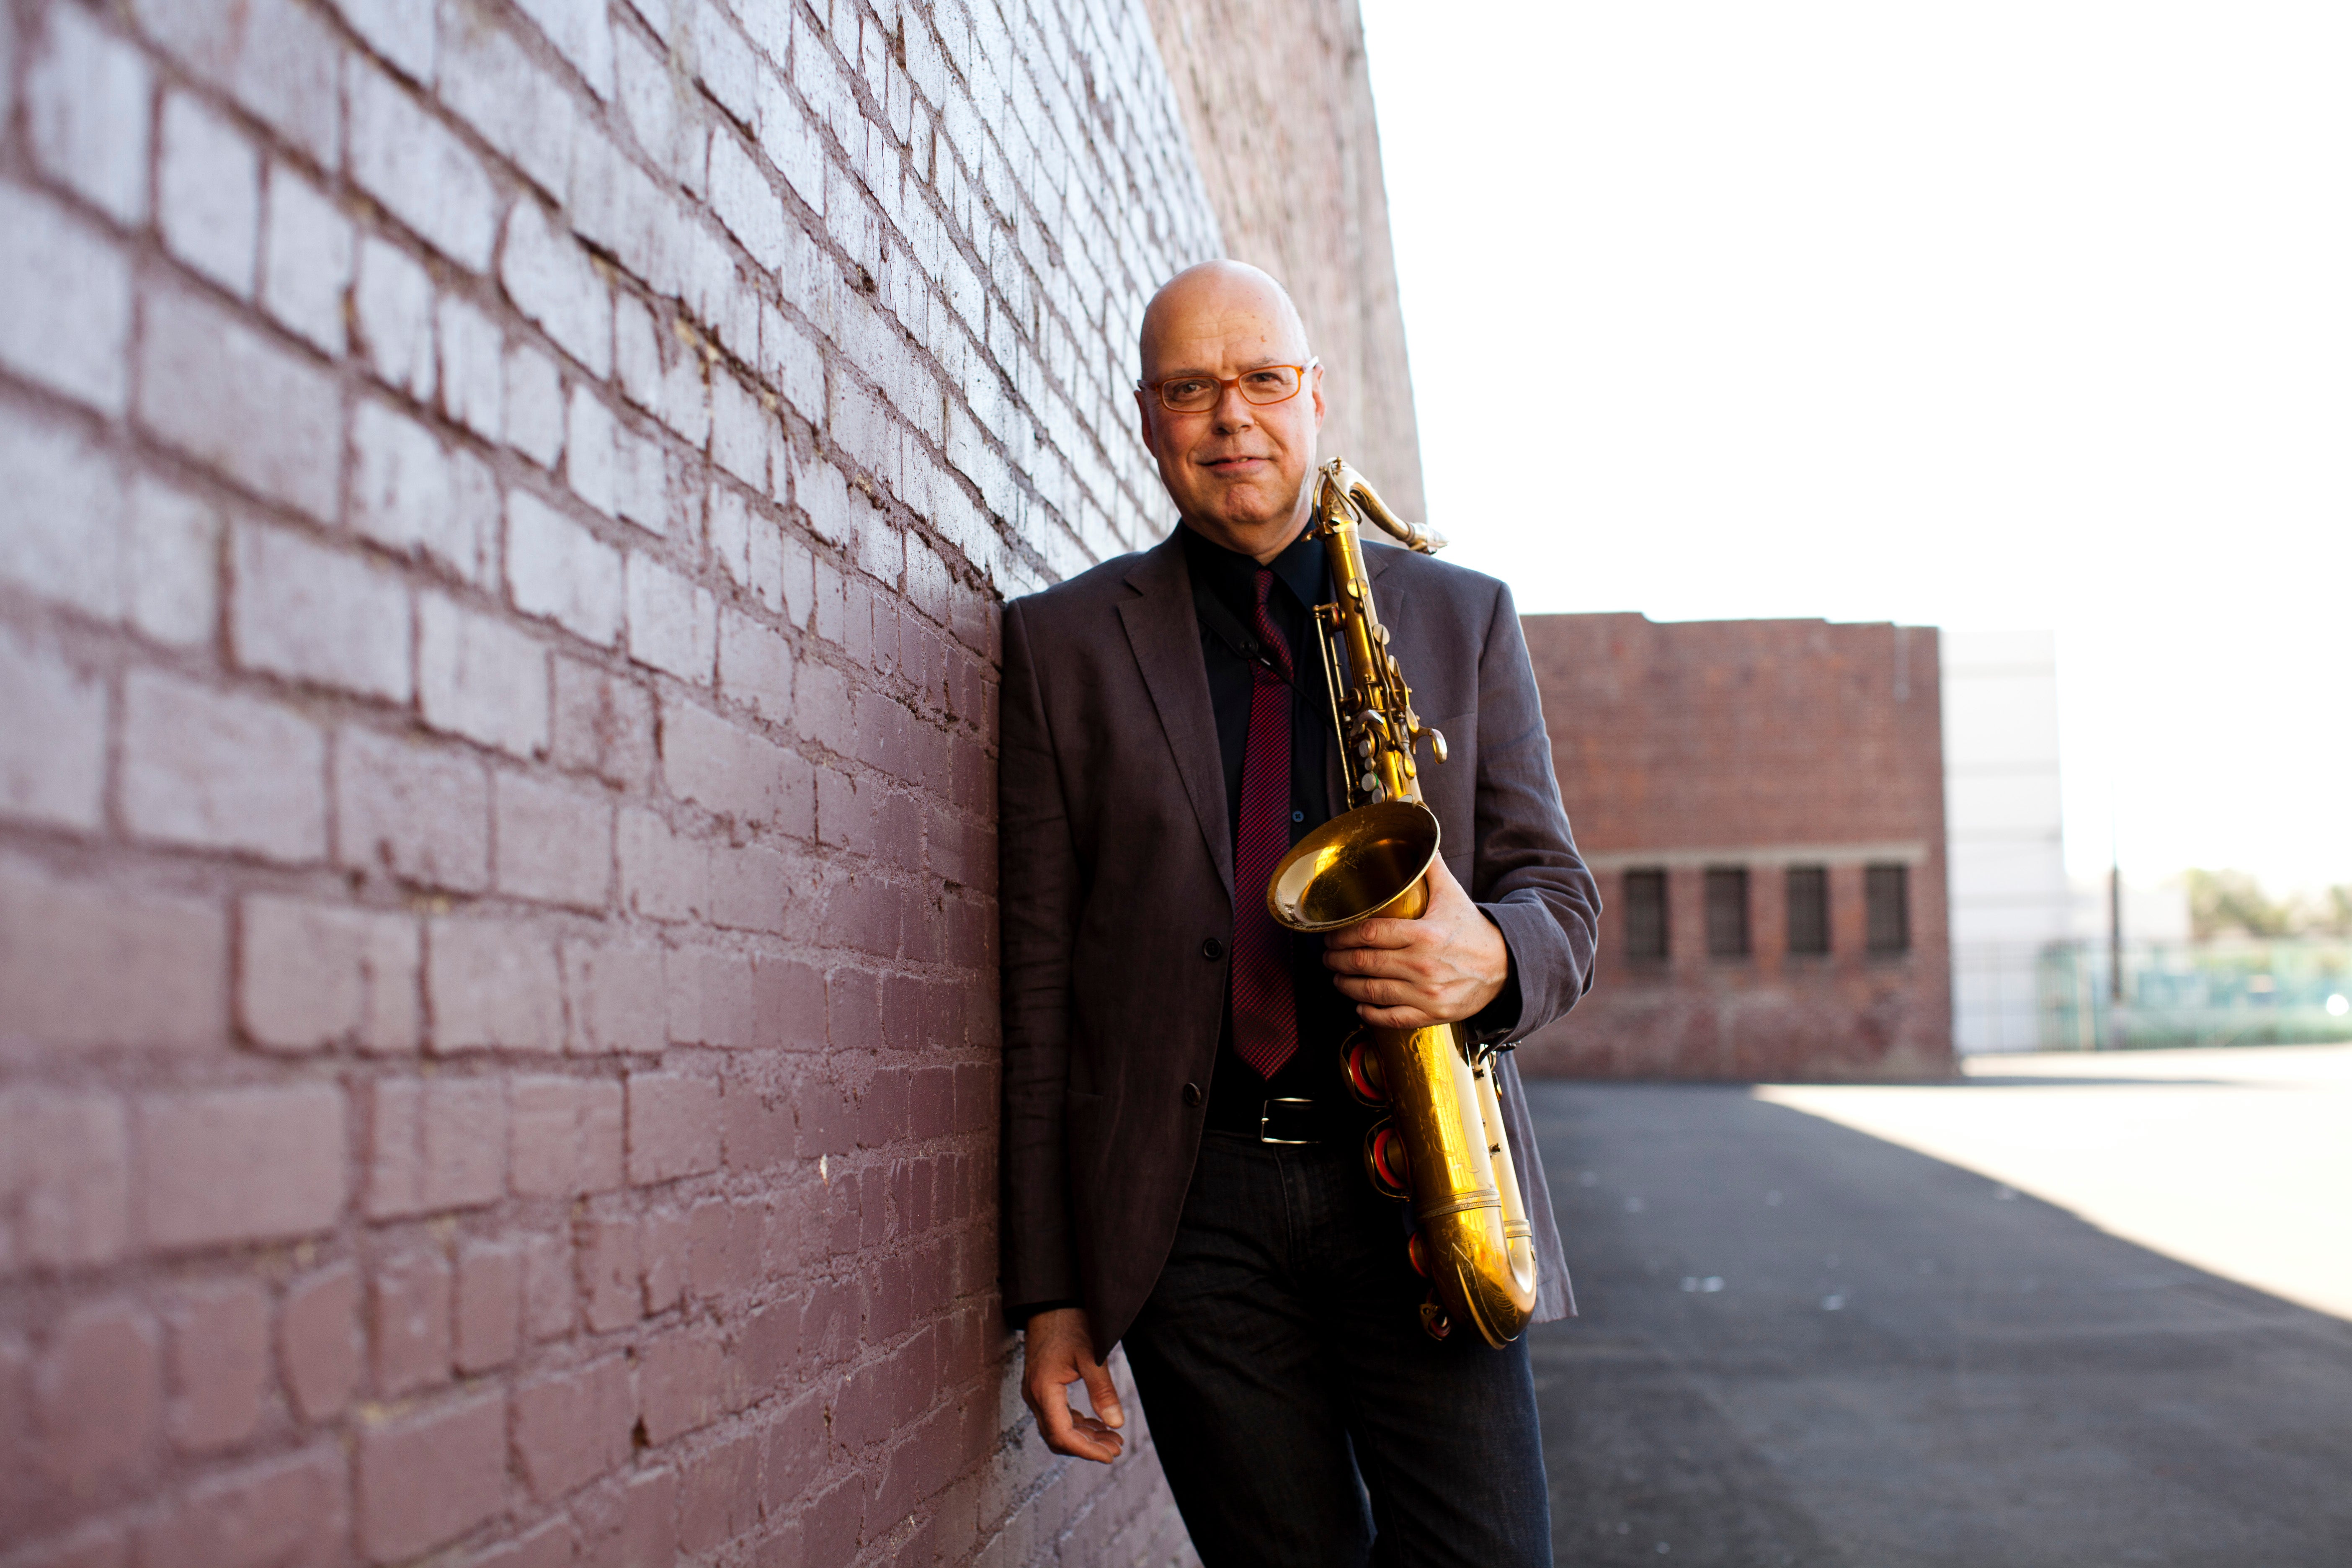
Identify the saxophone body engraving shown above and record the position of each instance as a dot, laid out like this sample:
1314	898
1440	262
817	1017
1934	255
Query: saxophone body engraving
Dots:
1441	1146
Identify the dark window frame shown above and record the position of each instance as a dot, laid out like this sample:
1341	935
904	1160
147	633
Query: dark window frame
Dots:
1730	913
1806	895
1647	920
1886	906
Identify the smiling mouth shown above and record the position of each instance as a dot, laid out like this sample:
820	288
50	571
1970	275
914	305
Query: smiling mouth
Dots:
1228	464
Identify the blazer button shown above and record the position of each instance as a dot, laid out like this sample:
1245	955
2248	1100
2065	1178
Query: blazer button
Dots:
1212	950
1192	1094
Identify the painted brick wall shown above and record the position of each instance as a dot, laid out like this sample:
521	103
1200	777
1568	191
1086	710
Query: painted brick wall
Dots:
1755	744
503	505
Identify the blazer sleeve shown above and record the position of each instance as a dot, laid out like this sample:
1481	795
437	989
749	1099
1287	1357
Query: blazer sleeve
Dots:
1038	909
1528	875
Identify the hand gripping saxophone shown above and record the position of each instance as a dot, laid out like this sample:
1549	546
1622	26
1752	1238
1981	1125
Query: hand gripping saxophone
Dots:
1441	1145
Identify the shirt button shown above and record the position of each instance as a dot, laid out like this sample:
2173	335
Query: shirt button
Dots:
1212	950
1297	817
1192	1094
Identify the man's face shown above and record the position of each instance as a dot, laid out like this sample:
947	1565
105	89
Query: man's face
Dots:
1237	471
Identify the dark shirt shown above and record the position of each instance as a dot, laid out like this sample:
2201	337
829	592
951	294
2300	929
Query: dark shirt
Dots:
1237	1095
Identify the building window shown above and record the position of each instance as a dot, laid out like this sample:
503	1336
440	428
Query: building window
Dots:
1645	914
1887	895
1809	909
1726	912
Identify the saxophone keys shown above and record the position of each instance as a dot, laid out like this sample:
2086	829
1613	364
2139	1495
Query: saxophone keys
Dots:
1437	743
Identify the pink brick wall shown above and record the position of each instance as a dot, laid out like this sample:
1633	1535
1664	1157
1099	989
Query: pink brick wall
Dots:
503	505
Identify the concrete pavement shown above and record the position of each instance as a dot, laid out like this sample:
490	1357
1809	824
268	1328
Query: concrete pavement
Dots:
1802	1344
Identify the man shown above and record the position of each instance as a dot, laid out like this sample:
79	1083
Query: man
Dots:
1183	1165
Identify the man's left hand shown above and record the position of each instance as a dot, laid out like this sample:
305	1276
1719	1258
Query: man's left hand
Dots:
1411	975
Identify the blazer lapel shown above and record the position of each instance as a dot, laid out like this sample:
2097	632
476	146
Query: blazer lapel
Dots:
1166	641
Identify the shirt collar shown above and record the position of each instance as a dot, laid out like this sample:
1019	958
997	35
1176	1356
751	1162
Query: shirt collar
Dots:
1233	576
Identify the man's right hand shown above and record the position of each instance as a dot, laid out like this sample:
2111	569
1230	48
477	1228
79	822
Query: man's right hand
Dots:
1057	1351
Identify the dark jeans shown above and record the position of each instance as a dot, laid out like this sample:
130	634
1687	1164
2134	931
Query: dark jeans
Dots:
1281	1357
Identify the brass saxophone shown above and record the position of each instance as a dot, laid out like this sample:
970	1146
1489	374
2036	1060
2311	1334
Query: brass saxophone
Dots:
1441	1145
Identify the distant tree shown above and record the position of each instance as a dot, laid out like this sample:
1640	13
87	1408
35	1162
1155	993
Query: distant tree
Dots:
2221	902
2335	917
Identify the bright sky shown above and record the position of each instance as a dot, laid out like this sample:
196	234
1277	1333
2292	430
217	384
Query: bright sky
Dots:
1988	316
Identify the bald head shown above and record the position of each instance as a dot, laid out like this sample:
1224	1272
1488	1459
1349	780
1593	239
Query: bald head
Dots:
1235	468
1230	301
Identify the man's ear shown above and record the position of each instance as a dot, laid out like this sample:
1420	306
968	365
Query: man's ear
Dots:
1317	390
1143	423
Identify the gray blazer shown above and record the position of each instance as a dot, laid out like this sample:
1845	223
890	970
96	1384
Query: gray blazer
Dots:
1116	869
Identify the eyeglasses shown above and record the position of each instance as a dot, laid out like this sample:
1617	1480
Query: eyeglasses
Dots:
1199	393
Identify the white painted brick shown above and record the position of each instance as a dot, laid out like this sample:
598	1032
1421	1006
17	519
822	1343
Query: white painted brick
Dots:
555	844
649	100
400	31
880	555
473	374
744	200
642	473
393	303
822	495
415	812
729	524
549	277
588	452
559	571
53	746
723	63
418	169
739	431
672	621
480	678
766	564
173	560
791	139
406	495
76	344
218	390
493	84
494	986
221	771
208	193
277	58
313	975
534	405
755	667
87	96
582	32
799	571
309	612
307	261
61	520
615	205
686	398
721	768
793	363
636	354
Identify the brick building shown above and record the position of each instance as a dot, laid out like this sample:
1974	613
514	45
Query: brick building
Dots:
1764	804
503	507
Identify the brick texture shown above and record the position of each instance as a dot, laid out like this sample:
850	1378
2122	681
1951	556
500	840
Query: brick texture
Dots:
1752	745
507	508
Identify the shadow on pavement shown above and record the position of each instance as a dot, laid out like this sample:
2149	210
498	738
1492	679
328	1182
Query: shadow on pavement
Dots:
1803	1345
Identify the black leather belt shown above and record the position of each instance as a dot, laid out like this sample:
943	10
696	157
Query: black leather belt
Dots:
1292	1122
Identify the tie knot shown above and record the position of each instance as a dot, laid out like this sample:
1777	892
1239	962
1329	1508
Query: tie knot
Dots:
1264	585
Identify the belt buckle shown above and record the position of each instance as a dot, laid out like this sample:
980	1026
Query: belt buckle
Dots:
1266	1115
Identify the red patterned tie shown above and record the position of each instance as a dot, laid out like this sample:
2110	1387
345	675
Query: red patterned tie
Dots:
1265	1012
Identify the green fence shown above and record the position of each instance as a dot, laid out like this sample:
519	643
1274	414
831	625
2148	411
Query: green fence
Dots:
2286	992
